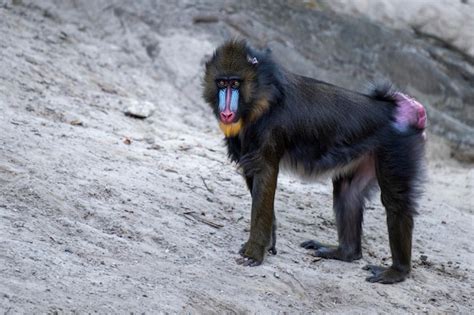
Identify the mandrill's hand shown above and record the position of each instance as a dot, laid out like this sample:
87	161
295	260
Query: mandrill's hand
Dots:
252	254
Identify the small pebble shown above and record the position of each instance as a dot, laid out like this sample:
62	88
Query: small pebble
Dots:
127	141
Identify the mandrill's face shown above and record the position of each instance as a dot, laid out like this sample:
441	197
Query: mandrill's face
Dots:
228	105
228	84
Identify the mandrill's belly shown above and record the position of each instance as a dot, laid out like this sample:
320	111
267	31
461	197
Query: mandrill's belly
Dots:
312	166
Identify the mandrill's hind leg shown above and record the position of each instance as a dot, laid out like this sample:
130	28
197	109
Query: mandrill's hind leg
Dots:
350	192
398	175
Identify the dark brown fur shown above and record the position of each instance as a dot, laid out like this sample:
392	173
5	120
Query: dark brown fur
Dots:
314	127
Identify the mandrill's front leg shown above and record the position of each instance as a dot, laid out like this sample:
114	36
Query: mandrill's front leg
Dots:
262	230
272	250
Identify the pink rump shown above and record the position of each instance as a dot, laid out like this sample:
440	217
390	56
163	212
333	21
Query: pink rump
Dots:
409	112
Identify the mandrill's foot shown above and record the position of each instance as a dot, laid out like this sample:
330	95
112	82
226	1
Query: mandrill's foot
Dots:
386	275
331	252
272	250
252	254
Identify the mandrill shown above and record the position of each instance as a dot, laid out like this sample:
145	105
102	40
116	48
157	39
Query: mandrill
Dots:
271	117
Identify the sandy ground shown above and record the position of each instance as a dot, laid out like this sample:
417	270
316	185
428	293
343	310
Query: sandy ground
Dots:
100	212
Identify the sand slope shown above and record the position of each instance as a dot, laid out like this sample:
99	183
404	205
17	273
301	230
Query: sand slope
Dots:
103	212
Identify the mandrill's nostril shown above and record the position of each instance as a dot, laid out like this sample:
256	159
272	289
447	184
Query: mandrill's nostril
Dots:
227	117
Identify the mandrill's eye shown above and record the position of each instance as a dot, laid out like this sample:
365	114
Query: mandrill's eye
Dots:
235	84
221	84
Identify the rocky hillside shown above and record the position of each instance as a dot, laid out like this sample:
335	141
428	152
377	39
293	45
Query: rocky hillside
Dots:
105	212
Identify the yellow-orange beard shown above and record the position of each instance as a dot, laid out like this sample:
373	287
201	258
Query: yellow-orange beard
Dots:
231	130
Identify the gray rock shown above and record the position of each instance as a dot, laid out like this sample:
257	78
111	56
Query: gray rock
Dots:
138	109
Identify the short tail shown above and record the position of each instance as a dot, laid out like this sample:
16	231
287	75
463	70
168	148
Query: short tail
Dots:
383	91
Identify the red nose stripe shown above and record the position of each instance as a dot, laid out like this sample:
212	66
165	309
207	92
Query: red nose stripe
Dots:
228	97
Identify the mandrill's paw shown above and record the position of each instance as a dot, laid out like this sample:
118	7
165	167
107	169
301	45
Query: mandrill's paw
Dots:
386	275
331	252
252	254
272	250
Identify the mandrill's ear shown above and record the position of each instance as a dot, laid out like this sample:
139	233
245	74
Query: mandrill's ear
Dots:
252	60
254	55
